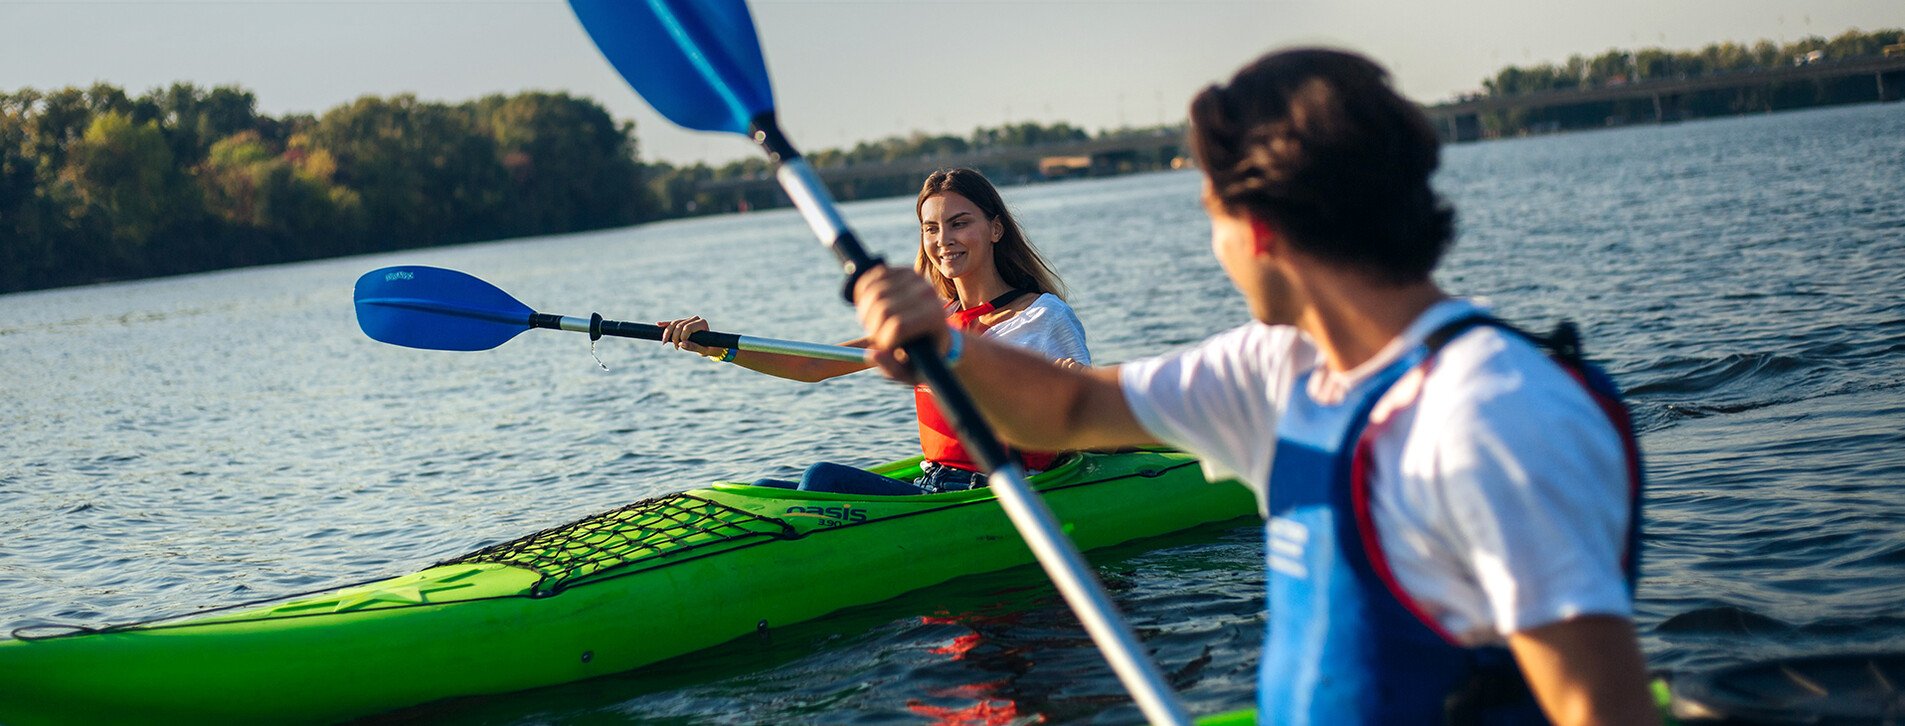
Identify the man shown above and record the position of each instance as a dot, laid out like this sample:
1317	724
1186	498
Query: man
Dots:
1450	511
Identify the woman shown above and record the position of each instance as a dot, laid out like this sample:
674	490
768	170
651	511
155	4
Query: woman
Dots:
993	284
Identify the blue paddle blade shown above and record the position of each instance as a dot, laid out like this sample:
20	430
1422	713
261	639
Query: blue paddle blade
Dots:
697	62
436	309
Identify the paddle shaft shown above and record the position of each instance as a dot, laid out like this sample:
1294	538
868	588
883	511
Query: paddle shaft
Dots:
1034	520
597	327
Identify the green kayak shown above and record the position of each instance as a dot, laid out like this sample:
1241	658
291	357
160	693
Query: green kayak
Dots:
653	580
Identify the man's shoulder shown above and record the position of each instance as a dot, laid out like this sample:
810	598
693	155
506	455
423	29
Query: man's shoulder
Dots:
1489	374
1252	354
1245	359
1489	351
1496	417
1256	337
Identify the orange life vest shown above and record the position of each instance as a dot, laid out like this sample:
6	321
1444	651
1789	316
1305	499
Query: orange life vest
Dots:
937	439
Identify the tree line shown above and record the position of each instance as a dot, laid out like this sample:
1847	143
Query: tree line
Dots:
1620	67
99	185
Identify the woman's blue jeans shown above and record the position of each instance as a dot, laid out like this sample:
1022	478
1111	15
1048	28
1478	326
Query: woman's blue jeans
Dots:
827	476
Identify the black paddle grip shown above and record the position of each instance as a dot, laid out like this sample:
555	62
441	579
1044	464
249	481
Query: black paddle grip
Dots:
854	265
621	329
644	331
714	339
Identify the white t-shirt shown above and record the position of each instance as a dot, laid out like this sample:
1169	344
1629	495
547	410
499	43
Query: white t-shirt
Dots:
1047	327
1500	488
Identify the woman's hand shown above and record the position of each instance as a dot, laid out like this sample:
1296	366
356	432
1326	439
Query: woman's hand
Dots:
1070	364
898	306
676	332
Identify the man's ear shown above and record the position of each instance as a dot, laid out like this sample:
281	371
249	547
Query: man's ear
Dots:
1262	236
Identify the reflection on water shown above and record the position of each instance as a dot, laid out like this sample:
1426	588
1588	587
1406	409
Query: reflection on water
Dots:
211	439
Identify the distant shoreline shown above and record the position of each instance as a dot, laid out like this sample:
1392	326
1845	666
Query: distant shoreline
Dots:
1655	85
1608	124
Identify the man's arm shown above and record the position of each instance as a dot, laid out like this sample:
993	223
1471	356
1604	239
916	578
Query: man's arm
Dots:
1587	670
1033	403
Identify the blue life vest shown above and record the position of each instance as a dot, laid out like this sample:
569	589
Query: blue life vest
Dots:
1346	646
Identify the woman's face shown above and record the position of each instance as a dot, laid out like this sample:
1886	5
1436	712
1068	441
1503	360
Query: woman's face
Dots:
956	236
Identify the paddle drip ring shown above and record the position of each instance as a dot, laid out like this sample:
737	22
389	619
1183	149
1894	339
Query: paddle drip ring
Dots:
595	334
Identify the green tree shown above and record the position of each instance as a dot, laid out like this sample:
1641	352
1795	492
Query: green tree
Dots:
426	173
276	207
676	191
570	166
195	119
25	253
61	118
123	173
1607	66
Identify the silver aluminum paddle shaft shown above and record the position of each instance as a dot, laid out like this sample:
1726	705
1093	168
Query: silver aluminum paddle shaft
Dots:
1056	553
802	349
1069	571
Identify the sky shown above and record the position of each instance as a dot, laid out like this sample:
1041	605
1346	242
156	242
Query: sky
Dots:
846	71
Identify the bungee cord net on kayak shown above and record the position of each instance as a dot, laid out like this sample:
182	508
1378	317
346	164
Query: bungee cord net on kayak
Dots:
645	530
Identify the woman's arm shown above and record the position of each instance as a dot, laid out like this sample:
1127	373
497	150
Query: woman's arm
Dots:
791	367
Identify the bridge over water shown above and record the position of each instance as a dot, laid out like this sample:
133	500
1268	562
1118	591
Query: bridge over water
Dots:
1462	121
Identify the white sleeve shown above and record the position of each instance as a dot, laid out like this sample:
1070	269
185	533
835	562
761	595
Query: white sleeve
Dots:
1220	400
1047	327
1535	489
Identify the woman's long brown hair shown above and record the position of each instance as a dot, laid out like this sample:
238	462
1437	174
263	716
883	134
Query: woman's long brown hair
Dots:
1013	254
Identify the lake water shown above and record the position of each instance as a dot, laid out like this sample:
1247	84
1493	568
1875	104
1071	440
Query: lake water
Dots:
213	439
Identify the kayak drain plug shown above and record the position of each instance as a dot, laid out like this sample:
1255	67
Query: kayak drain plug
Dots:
588	655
